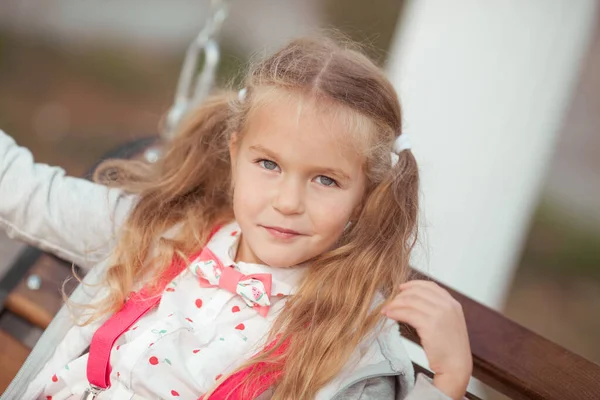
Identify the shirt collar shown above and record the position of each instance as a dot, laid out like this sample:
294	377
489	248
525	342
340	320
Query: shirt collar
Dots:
224	244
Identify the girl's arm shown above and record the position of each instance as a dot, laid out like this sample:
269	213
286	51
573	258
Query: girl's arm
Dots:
73	218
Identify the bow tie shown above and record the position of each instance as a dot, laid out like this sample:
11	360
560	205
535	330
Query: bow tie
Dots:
254	289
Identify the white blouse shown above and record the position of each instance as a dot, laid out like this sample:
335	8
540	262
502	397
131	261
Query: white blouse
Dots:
195	335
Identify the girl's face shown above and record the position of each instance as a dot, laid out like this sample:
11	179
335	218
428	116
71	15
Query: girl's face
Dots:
297	183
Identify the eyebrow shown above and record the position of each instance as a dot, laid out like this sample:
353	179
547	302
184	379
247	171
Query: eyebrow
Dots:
327	171
336	173
260	149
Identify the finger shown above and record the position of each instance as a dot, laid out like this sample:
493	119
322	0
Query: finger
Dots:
443	302
429	286
426	284
411	300
410	316
421	291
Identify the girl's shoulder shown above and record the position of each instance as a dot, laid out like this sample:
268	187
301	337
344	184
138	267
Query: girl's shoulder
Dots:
380	358
387	339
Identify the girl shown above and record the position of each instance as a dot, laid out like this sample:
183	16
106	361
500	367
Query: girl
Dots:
259	258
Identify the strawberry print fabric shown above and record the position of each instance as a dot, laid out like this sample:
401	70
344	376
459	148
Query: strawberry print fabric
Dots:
194	336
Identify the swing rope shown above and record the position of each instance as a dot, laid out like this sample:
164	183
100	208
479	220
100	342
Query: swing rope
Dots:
194	85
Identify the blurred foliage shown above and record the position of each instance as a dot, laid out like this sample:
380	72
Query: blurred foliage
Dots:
231	69
2	49
559	244
107	95
372	23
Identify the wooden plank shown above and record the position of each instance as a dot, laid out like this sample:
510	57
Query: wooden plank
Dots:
520	363
39	306
17	271
12	356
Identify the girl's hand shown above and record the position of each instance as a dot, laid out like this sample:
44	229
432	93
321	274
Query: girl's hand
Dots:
440	323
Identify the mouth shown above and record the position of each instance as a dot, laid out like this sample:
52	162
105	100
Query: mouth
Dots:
282	233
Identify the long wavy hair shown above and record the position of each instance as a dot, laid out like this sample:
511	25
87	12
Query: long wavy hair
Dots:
336	306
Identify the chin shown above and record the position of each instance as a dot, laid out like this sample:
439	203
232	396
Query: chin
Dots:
279	262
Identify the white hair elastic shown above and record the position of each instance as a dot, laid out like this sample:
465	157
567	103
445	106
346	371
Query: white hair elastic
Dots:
401	143
242	94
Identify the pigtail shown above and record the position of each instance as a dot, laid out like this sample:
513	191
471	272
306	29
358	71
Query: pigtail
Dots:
190	183
196	165
388	222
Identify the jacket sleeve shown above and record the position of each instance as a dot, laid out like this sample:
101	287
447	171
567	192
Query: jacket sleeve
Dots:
73	218
425	390
384	388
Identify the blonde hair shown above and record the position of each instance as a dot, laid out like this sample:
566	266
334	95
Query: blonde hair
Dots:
333	309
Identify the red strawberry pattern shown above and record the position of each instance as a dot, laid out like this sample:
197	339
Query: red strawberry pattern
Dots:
157	342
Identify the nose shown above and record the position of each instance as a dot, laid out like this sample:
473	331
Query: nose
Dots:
289	197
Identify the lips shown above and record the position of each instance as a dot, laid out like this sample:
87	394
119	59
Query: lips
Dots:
283	230
282	233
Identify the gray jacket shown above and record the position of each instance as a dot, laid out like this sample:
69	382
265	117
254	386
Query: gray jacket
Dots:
79	220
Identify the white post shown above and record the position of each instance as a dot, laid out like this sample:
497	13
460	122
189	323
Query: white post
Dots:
484	86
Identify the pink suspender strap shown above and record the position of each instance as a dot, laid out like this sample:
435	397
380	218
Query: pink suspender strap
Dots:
238	387
98	365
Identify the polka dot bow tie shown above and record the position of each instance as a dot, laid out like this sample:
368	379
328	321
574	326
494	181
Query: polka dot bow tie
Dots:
254	289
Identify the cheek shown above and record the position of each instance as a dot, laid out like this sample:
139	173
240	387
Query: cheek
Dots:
330	215
248	193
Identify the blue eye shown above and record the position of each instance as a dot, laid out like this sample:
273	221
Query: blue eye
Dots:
326	181
268	164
